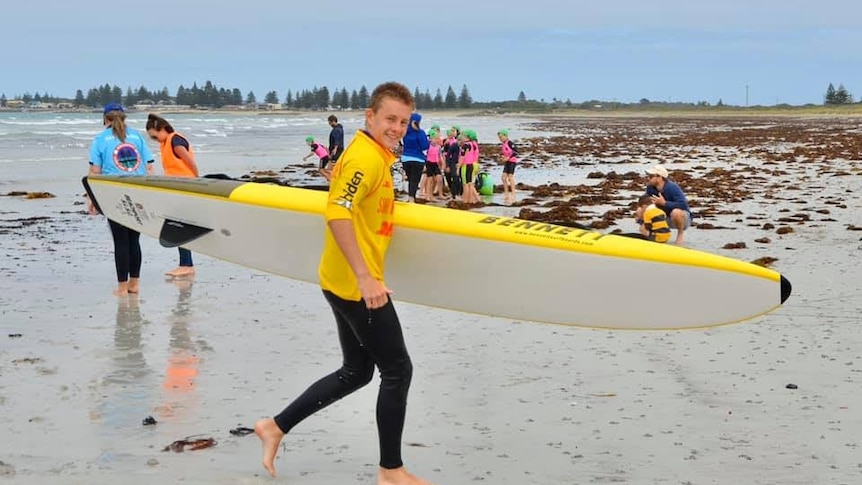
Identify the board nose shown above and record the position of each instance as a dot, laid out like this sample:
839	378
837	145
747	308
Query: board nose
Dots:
786	288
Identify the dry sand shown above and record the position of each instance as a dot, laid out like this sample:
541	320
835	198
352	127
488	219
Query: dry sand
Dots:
493	401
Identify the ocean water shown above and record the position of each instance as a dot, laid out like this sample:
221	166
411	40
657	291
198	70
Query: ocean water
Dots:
52	147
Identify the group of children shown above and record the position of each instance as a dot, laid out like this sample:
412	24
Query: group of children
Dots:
451	163
453	160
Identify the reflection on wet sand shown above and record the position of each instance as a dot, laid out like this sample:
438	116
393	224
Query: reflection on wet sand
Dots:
125	386
183	359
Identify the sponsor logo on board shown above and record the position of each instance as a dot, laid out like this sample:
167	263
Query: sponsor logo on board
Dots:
132	209
543	229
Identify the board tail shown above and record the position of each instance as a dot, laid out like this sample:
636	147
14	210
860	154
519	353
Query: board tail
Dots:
786	289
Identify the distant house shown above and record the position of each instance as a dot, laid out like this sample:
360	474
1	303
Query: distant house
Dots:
15	104
144	104
39	105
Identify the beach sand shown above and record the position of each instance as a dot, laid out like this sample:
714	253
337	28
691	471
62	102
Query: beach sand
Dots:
493	401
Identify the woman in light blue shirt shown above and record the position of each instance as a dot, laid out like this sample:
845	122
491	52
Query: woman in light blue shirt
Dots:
120	150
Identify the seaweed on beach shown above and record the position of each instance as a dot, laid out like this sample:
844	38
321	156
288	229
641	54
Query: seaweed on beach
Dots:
192	444
30	195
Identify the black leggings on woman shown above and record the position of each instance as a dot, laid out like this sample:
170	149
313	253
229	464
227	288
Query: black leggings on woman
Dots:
127	251
368	338
414	175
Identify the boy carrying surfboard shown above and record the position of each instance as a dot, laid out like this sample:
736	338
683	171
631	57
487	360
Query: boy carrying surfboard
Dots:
359	223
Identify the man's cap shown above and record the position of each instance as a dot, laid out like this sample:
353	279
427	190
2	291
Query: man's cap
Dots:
113	107
503	132
309	139
658	170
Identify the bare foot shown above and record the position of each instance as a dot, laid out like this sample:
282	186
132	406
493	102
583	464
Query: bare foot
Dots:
134	285
175	272
184	271
122	288
398	476
270	437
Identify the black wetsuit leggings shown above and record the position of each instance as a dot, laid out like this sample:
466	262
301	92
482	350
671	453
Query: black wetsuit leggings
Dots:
127	251
414	175
368	338
453	178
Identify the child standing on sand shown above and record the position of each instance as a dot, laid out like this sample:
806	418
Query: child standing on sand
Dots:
322	153
509	157
469	160
433	182
451	154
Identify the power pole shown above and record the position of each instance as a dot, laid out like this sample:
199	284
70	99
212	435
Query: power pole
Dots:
746	95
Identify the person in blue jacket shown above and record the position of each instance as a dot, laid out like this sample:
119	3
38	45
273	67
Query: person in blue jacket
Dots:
669	197
413	155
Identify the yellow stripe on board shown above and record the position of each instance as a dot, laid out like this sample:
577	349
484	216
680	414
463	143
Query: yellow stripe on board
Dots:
507	229
534	233
473	224
280	197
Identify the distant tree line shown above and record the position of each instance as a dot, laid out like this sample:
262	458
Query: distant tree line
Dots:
320	98
212	96
837	96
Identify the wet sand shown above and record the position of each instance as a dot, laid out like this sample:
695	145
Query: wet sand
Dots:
493	401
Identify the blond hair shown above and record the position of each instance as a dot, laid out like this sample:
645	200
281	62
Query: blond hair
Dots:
117	119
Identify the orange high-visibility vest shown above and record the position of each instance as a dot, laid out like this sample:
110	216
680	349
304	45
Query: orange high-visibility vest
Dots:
174	166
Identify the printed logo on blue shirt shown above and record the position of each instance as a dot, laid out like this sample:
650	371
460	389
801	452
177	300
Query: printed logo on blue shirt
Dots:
127	158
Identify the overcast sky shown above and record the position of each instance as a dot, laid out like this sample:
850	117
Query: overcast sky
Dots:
679	50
